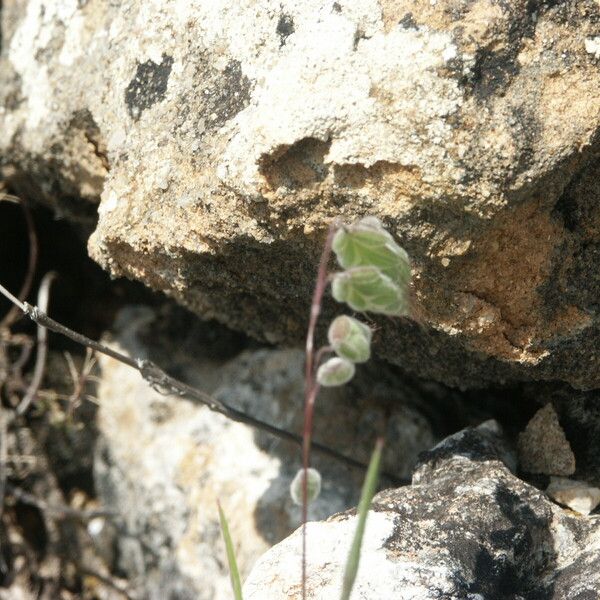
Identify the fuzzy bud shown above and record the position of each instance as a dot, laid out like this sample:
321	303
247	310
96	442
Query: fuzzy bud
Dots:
313	487
350	339
367	243
367	289
336	371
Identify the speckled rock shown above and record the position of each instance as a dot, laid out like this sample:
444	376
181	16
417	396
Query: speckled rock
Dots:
220	138
466	528
543	446
163	462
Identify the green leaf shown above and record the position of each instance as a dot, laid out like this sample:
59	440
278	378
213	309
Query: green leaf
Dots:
367	243
367	289
336	371
366	497
350	339
234	573
313	488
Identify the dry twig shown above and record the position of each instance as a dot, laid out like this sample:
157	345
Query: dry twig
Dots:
62	511
42	346
5	418
164	383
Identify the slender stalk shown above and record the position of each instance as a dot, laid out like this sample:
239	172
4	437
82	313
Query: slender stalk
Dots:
311	388
322	352
366	498
167	384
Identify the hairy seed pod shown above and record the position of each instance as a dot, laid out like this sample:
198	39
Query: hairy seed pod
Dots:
336	371
313	486
350	339
367	289
367	243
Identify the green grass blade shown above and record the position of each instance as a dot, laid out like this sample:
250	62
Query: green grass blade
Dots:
366	497
234	573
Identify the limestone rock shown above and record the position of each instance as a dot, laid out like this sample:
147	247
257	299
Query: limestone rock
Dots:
162	462
466	528
218	139
580	418
543	446
579	496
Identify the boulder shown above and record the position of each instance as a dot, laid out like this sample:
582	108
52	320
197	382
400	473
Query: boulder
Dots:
217	140
162	462
543	446
466	528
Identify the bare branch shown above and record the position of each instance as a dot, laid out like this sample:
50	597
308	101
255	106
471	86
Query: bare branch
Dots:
42	346
57	511
164	383
5	418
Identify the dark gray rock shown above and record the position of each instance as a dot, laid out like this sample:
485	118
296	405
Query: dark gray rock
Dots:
467	528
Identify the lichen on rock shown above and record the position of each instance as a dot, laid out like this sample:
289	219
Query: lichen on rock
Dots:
226	136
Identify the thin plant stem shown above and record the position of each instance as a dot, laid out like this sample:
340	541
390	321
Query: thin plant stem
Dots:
311	388
164	383
321	352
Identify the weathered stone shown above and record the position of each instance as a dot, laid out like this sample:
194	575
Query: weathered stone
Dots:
222	137
466	528
543	446
579	414
162	462
579	496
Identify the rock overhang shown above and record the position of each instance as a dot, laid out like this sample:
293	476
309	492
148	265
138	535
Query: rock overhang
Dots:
219	152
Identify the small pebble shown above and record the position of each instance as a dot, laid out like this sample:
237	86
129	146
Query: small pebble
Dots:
576	495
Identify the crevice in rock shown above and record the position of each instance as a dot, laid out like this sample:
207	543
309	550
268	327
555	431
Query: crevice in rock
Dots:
70	177
358	176
297	166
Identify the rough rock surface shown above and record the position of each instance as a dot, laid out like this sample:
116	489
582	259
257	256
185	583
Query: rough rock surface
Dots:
466	528
221	137
579	414
543	446
162	462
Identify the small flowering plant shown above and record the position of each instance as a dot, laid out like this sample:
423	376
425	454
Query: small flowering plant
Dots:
375	277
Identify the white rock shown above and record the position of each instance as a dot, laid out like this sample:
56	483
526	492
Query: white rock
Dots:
577	495
162	462
592	46
328	545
